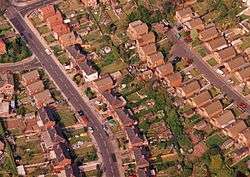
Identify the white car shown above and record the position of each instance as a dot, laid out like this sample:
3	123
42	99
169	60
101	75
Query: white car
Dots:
220	72
48	51
90	129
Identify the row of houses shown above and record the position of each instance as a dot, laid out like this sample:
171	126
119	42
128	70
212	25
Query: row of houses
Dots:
54	20
226	55
147	51
35	88
217	43
137	144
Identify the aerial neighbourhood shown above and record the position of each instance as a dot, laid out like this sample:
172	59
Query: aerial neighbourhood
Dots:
125	88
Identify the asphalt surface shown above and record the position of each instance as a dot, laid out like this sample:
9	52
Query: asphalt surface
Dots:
183	50
33	6
21	66
62	81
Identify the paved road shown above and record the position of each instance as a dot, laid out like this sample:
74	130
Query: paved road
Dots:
183	50
33	6
20	66
67	88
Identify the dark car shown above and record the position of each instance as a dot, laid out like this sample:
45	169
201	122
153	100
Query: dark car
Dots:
81	113
113	157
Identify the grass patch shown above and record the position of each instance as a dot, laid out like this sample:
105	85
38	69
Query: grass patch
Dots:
16	51
36	21
215	140
43	29
115	66
64	59
201	50
212	62
87	153
50	38
77	135
67	117
29	150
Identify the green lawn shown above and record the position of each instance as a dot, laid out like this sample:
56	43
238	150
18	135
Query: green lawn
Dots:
87	153
67	117
57	49
113	67
29	150
35	20
64	59
215	140
43	29
77	135
16	51
50	38
212	62
9	166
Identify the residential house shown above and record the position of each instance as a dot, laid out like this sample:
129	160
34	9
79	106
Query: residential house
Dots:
61	157
54	20
115	101
173	80
244	137
211	109
30	77
2	47
35	87
124	117
14	123
146	51
104	84
136	29
155	60
60	30
4	109
140	159
216	44
77	53
31	126
208	34
225	54
47	11
223	120
184	15
69	171
164	70
134	139
88	72
68	39
235	129
146	75
43	98
189	89
195	23
45	118
235	63
146	39
89	3
51	137
6	84
200	99
243	75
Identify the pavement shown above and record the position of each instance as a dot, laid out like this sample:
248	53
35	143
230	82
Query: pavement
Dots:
182	49
32	6
67	88
26	64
